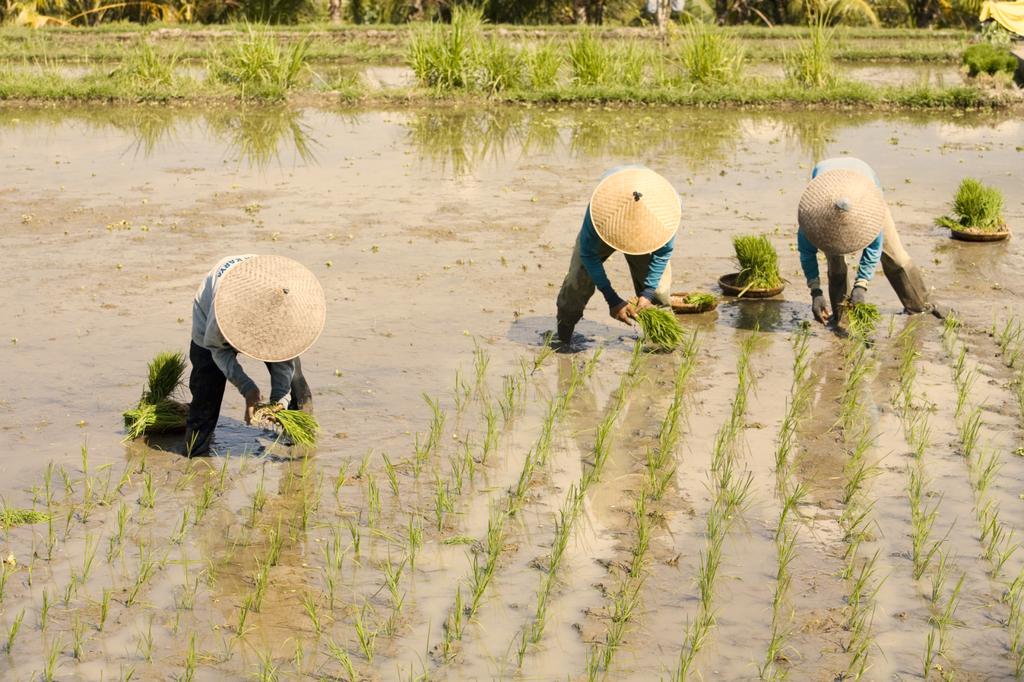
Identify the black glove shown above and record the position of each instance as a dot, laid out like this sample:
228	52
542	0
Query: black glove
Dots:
857	295
818	306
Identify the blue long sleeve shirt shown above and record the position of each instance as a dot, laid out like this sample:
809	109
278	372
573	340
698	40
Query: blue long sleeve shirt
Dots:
872	253
590	244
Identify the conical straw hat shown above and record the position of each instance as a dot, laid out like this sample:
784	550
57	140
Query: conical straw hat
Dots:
635	210
270	307
841	211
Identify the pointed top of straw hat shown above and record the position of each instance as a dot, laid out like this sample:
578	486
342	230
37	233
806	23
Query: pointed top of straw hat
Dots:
635	210
841	211
270	307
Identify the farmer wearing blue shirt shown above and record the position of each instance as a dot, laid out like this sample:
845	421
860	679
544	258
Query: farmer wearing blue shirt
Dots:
633	210
843	211
270	308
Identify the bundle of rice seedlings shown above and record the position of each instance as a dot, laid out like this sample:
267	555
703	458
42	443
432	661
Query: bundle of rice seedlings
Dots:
759	263
301	427
700	299
157	411
976	207
660	327
864	317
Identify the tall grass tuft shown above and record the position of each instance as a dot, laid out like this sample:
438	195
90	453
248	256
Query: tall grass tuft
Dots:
261	67
501	66
811	64
590	60
976	207
143	67
543	64
710	56
758	261
444	58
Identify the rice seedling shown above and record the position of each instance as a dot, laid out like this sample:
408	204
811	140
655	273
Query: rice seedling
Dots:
811	65
267	671
590	60
301	428
367	638
258	66
700	299
158	411
976	207
342	657
52	656
44	611
191	659
12	632
312	610
660	327
147	566
758	262
144	641
710	56
864	318
77	638
104	609
391	473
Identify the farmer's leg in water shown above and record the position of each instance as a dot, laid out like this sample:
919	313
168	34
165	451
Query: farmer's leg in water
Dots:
838	284
640	270
577	290
302	396
206	382
903	275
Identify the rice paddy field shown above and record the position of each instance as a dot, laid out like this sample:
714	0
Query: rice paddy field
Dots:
770	500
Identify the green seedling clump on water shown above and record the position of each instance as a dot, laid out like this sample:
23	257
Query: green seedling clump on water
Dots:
660	327
700	299
11	516
157	410
976	207
758	261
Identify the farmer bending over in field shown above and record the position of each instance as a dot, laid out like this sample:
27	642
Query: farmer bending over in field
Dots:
842	211
267	307
633	210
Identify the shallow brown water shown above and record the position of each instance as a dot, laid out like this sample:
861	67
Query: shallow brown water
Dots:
434	231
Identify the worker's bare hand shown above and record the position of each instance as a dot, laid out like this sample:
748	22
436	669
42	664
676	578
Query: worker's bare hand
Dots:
252	399
642	303
624	313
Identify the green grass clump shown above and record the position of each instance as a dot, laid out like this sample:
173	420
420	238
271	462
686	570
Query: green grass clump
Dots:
12	516
759	263
660	327
864	318
144	67
989	58
261	67
157	410
976	207
710	56
811	65
444	57
590	59
301	427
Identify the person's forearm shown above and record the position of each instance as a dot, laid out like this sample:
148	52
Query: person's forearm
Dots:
808	261
227	361
281	374
656	269
869	260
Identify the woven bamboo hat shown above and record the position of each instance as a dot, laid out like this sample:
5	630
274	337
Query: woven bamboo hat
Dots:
635	210
270	307
841	211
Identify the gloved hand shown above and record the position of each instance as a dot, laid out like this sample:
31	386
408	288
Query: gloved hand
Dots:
623	312
818	306
857	295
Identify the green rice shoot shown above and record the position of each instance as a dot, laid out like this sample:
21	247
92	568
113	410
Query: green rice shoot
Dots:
758	261
300	427
12	516
660	327
863	319
700	299
976	207
157	411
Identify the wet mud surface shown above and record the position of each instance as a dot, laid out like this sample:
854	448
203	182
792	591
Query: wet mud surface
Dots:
441	237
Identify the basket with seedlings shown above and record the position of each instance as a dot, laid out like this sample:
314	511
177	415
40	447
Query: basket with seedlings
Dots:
759	269
301	428
691	302
660	328
159	410
977	213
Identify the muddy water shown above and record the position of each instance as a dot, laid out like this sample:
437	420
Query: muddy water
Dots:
435	232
